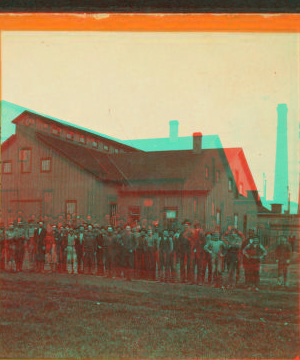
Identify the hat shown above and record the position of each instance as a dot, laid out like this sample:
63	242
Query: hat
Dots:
186	222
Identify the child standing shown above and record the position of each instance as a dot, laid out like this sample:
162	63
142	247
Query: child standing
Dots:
283	254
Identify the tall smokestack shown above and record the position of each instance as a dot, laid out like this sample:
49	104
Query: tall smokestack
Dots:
173	130
281	166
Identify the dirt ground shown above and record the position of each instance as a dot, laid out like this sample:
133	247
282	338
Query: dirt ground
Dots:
81	316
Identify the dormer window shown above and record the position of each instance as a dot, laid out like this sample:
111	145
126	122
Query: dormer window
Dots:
82	139
94	143
70	135
56	130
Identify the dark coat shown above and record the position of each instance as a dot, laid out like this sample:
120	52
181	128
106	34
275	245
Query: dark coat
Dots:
40	240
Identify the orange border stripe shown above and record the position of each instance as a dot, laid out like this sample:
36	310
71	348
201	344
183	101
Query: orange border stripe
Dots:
152	22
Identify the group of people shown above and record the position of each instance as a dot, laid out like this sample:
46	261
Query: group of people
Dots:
138	251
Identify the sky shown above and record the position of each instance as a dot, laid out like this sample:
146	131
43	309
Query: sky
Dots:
130	85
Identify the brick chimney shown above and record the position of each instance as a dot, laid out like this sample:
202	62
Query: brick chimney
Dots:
173	130
197	142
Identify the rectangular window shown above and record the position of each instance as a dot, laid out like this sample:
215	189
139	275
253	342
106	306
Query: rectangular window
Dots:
70	135
7	167
116	151
229	184
25	159
236	219
170	217
206	172
217	176
148	208
218	217
241	188
56	130
94	143
105	148
46	126
82	139
71	206
46	165
48	203
134	212
30	121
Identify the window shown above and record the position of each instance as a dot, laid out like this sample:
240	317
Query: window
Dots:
25	159
56	130
219	218
7	167
30	121
46	165
229	184
206	172
122	151
46	126
217	176
236	218
170	217
71	206
94	143
148	208
70	135
82	139
105	148
241	188
116	151
134	212
48	202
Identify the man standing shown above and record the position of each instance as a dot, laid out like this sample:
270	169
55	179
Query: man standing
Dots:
110	241
185	240
206	260
89	249
166	248
197	246
20	246
216	248
79	249
100	252
130	245
283	255
40	236
254	253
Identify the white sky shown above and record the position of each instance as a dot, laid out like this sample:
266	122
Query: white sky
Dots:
129	85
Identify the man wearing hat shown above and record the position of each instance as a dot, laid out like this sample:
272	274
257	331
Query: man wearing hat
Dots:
40	240
20	243
184	245
10	246
79	249
89	247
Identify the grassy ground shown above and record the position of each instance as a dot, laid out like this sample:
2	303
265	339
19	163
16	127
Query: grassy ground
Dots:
80	316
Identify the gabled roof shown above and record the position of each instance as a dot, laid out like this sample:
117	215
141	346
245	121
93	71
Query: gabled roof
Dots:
92	161
168	144
165	165
101	137
8	142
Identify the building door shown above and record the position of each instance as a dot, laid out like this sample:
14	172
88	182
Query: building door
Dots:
48	203
71	207
171	218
